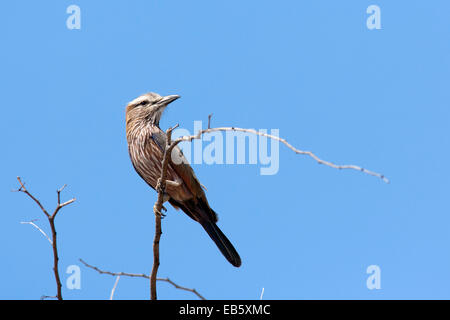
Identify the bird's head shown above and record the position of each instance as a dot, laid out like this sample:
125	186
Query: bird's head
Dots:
148	107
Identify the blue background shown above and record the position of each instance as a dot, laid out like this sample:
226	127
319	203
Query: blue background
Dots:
375	98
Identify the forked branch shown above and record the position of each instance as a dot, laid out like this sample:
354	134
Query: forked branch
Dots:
51	220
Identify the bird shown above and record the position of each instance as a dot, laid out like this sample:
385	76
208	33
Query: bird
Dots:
146	144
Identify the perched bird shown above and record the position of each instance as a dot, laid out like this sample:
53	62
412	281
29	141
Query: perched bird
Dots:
146	143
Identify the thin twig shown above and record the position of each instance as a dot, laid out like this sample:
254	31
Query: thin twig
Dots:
209	120
37	227
298	151
114	288
51	220
182	288
24	190
141	275
125	274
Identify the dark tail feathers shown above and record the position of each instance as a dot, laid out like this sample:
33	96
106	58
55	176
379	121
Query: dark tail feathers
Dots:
222	243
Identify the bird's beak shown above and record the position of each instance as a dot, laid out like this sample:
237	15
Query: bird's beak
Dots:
168	99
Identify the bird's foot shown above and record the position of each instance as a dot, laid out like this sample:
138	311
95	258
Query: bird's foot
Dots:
159	213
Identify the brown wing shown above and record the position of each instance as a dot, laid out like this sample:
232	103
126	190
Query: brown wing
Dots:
146	152
178	164
180	169
146	155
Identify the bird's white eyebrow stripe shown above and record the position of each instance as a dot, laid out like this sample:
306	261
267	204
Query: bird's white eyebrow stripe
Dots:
138	101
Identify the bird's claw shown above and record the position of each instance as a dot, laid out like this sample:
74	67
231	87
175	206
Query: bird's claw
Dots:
158	212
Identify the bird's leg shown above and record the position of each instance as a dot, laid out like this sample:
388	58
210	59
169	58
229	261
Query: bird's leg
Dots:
166	198
169	183
158	213
159	188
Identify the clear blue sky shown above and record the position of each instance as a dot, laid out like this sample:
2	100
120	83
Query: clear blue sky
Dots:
312	69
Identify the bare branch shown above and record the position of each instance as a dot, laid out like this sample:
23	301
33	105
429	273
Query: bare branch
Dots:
125	274
114	288
37	227
141	275
209	120
51	221
298	151
182	288
59	192
62	205
160	187
24	190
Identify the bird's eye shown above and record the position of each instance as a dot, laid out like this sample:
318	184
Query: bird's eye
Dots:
141	103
